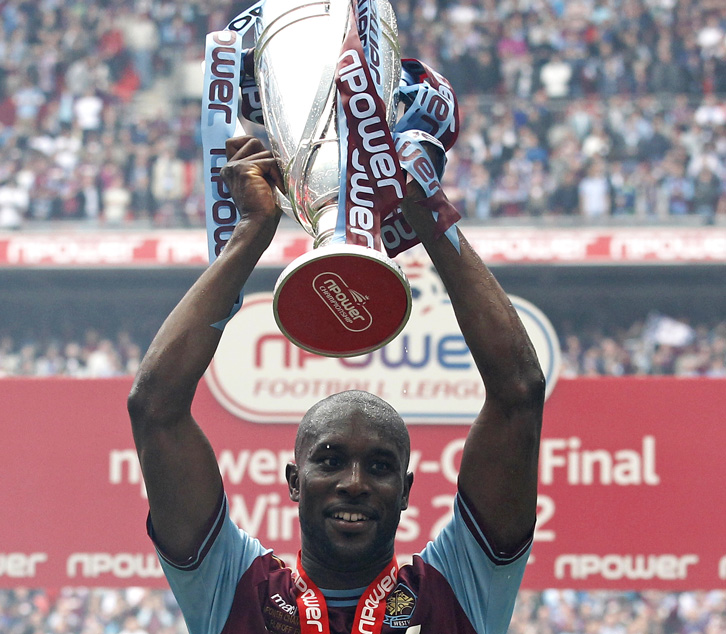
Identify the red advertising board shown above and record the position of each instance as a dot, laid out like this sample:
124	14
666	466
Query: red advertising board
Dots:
631	484
496	245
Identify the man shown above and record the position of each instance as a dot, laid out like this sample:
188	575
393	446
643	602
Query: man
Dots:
350	473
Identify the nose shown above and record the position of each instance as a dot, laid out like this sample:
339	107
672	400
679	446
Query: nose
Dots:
353	481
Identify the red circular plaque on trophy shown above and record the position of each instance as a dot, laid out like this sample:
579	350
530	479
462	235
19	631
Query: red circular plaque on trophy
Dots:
342	300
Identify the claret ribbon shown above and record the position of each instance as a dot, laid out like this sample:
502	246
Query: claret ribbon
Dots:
371	608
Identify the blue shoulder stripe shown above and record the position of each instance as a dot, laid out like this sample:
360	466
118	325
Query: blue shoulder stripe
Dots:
485	583
205	585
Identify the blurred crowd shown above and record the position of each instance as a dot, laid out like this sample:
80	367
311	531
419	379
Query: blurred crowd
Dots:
600	612
144	611
93	355
89	611
658	345
578	109
594	109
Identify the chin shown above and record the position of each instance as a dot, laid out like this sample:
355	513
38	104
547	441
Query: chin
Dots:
346	551
353	554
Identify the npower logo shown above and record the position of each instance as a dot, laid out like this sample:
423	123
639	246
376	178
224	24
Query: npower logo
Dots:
346	304
426	373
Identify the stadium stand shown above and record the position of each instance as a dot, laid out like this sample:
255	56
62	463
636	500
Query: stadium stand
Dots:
144	611
657	346
578	110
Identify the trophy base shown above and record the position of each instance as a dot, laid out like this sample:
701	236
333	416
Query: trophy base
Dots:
342	300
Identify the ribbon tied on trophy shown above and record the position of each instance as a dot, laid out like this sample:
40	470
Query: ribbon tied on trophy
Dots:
326	80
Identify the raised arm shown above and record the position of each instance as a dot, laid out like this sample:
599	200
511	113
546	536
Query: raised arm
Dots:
498	472
178	463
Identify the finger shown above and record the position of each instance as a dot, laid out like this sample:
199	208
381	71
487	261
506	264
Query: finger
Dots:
266	165
274	175
242	146
243	155
236	142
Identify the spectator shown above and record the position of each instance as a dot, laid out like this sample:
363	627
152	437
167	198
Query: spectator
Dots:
139	177
87	111
510	194
9	360
141	36
168	186
678	189
622	191
485	74
88	75
597	143
710	35
28	101
478	197
594	192
656	145
116	201
711	113
648	203
131	626
540	190
89	198
14	203
666	75
555	76
706	157
706	193
565	199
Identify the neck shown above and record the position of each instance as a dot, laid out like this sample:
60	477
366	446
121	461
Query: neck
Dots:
323	575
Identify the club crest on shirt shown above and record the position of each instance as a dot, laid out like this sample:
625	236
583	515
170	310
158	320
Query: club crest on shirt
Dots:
400	606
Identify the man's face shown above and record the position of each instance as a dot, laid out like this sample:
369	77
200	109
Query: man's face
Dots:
351	485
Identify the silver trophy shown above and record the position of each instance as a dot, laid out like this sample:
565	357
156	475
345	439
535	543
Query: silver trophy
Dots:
339	299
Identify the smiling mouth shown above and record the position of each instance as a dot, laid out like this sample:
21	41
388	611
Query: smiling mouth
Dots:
350	517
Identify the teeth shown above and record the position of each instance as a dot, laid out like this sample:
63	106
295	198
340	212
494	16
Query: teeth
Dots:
350	517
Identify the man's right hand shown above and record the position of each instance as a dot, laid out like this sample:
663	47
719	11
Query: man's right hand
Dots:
251	173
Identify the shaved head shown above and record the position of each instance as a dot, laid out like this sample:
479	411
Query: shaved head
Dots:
342	406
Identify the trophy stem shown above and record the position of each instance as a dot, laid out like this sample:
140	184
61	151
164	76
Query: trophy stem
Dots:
324	221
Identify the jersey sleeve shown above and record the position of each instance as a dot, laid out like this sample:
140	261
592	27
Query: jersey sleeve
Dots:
484	582
204	585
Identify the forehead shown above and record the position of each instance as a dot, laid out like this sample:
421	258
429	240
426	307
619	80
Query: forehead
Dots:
351	427
341	431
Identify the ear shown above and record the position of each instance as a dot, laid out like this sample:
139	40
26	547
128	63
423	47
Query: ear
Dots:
407	484
293	481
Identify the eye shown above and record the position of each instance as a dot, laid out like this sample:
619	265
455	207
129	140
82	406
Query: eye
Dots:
382	466
330	462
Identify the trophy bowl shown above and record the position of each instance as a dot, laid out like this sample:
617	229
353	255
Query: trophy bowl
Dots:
345	297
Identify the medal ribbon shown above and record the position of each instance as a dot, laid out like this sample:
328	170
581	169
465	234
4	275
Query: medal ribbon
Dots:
430	121
219	120
372	182
369	614
223	67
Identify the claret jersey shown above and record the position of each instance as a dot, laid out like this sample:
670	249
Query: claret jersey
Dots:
457	584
